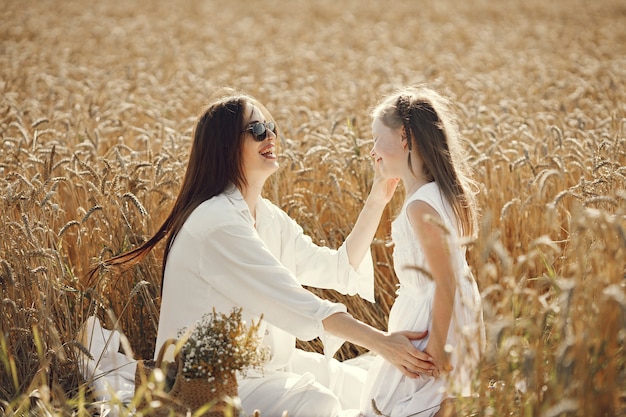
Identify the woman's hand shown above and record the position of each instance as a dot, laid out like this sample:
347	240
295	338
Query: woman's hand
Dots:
359	240
395	348
383	188
398	350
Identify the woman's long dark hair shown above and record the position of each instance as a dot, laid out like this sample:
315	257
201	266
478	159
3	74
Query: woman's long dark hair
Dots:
215	162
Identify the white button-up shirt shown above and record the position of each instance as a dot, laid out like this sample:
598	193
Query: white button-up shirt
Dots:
220	259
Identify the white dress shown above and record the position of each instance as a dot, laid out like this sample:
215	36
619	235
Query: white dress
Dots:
394	394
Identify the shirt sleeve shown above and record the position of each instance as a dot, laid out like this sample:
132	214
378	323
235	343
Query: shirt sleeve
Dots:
236	263
323	267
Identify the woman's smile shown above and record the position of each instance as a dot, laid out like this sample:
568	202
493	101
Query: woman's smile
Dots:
269	151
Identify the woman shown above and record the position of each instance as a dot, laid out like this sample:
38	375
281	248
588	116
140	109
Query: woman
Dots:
229	247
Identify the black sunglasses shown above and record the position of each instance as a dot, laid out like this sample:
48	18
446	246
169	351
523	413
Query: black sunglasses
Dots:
259	130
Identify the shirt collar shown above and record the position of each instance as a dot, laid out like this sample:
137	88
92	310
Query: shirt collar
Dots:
236	198
263	209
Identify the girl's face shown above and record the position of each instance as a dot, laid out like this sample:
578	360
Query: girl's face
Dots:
259	156
390	150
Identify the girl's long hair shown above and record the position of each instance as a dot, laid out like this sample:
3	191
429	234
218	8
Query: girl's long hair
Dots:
427	123
215	162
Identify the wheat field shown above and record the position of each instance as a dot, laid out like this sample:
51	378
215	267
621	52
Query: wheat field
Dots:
97	104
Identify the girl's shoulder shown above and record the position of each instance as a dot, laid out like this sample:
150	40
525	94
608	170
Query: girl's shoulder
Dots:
432	195
427	193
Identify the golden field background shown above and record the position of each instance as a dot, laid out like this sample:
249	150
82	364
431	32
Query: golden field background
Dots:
97	104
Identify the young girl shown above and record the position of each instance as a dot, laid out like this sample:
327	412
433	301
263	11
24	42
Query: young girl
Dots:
416	140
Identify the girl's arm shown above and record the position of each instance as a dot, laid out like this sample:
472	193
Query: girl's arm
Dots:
433	240
396	347
360	239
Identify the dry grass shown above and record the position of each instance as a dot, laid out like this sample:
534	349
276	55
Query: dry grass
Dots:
96	108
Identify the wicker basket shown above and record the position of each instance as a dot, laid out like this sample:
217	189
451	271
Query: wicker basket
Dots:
182	394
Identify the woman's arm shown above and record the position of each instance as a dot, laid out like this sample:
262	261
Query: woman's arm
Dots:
396	348
349	269
238	266
433	240
360	239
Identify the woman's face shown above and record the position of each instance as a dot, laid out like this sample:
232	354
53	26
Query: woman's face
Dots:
259	157
389	151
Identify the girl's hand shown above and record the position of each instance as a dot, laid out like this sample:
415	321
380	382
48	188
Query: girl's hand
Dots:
400	352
